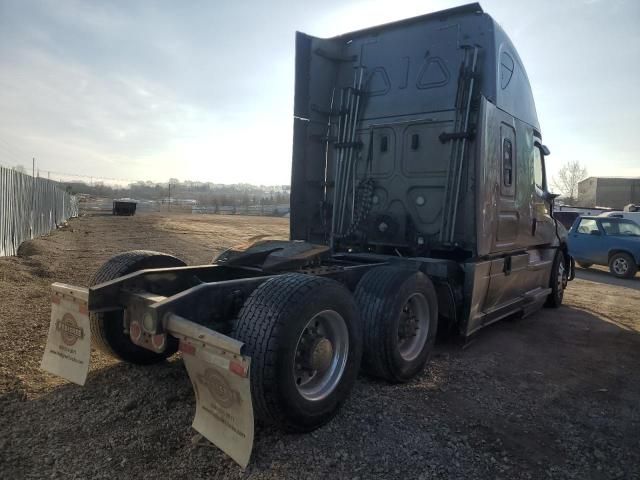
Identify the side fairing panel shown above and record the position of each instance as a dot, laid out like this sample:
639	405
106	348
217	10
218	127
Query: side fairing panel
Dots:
315	76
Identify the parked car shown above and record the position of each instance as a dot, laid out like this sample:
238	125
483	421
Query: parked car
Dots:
606	241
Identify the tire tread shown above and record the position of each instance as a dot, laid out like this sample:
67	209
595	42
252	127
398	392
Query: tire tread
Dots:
260	323
375	297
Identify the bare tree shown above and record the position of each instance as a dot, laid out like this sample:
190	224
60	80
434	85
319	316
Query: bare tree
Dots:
568	178
20	169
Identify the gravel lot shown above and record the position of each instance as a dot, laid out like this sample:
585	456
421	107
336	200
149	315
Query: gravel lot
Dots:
555	395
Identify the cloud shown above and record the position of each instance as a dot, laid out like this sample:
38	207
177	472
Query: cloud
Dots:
101	116
86	88
201	89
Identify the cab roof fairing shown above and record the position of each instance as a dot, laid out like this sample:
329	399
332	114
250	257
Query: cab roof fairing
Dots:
512	95
513	89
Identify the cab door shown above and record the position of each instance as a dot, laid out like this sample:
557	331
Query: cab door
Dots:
508	215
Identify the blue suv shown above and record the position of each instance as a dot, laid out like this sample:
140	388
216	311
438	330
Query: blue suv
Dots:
606	241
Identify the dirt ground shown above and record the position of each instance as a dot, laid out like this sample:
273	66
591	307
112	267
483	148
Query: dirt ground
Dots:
555	395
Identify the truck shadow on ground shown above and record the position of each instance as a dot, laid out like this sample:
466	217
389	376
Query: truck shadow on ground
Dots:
557	390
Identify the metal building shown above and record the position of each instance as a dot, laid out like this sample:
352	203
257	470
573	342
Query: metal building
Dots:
611	192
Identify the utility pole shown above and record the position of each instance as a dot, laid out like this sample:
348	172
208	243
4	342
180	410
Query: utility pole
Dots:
169	196
33	196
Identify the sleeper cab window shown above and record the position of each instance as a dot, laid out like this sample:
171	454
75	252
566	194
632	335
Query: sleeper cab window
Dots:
507	163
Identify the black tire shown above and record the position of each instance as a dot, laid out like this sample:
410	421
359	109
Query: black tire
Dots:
107	329
557	280
622	265
271	324
382	295
585	265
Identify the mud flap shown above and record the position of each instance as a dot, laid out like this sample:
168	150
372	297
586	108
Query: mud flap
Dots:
217	369
68	348
220	377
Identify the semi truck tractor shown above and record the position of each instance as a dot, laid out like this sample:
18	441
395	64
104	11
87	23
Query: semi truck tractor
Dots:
419	206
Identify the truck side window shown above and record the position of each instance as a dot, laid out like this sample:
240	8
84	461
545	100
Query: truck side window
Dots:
538	169
507	162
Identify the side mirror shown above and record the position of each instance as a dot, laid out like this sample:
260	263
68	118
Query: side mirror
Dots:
595	232
545	150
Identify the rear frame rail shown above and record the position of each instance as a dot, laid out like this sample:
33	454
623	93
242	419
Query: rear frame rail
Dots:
154	294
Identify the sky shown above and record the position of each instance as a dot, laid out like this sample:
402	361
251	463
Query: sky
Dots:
203	90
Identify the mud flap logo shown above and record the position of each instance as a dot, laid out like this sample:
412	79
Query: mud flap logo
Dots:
68	348
219	388
224	414
69	330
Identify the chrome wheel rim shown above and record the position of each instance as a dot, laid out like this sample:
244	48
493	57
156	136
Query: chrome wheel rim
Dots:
321	355
620	266
413	327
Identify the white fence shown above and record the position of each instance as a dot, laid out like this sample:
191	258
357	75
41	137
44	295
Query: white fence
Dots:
268	210
30	207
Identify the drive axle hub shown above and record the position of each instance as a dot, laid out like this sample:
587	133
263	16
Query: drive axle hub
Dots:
321	355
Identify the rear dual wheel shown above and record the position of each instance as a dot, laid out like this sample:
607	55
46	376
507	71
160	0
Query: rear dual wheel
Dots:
304	337
399	311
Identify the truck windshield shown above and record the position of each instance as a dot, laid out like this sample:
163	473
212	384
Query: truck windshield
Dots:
621	227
